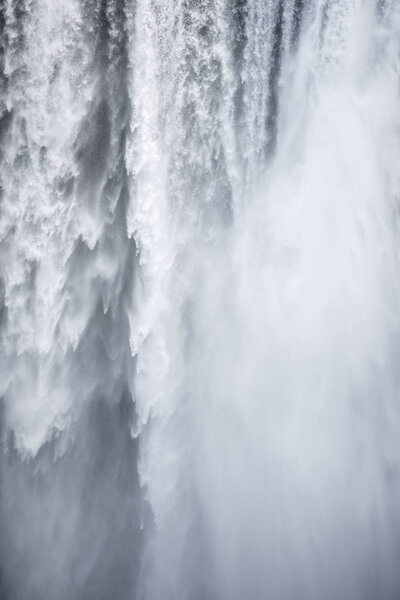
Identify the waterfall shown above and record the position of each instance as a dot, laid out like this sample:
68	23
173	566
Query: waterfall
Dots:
200	299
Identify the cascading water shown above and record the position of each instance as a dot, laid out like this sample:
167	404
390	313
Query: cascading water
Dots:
200	299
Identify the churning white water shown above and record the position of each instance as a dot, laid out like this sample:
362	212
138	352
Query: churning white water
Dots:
200	299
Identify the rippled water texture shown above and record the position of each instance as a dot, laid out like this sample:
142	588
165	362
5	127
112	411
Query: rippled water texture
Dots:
200	299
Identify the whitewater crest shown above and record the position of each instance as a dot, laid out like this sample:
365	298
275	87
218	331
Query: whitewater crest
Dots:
200	299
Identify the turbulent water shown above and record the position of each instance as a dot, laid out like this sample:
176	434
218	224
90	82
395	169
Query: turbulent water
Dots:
200	299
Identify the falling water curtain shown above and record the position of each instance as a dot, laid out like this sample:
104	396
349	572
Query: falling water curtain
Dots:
200	299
